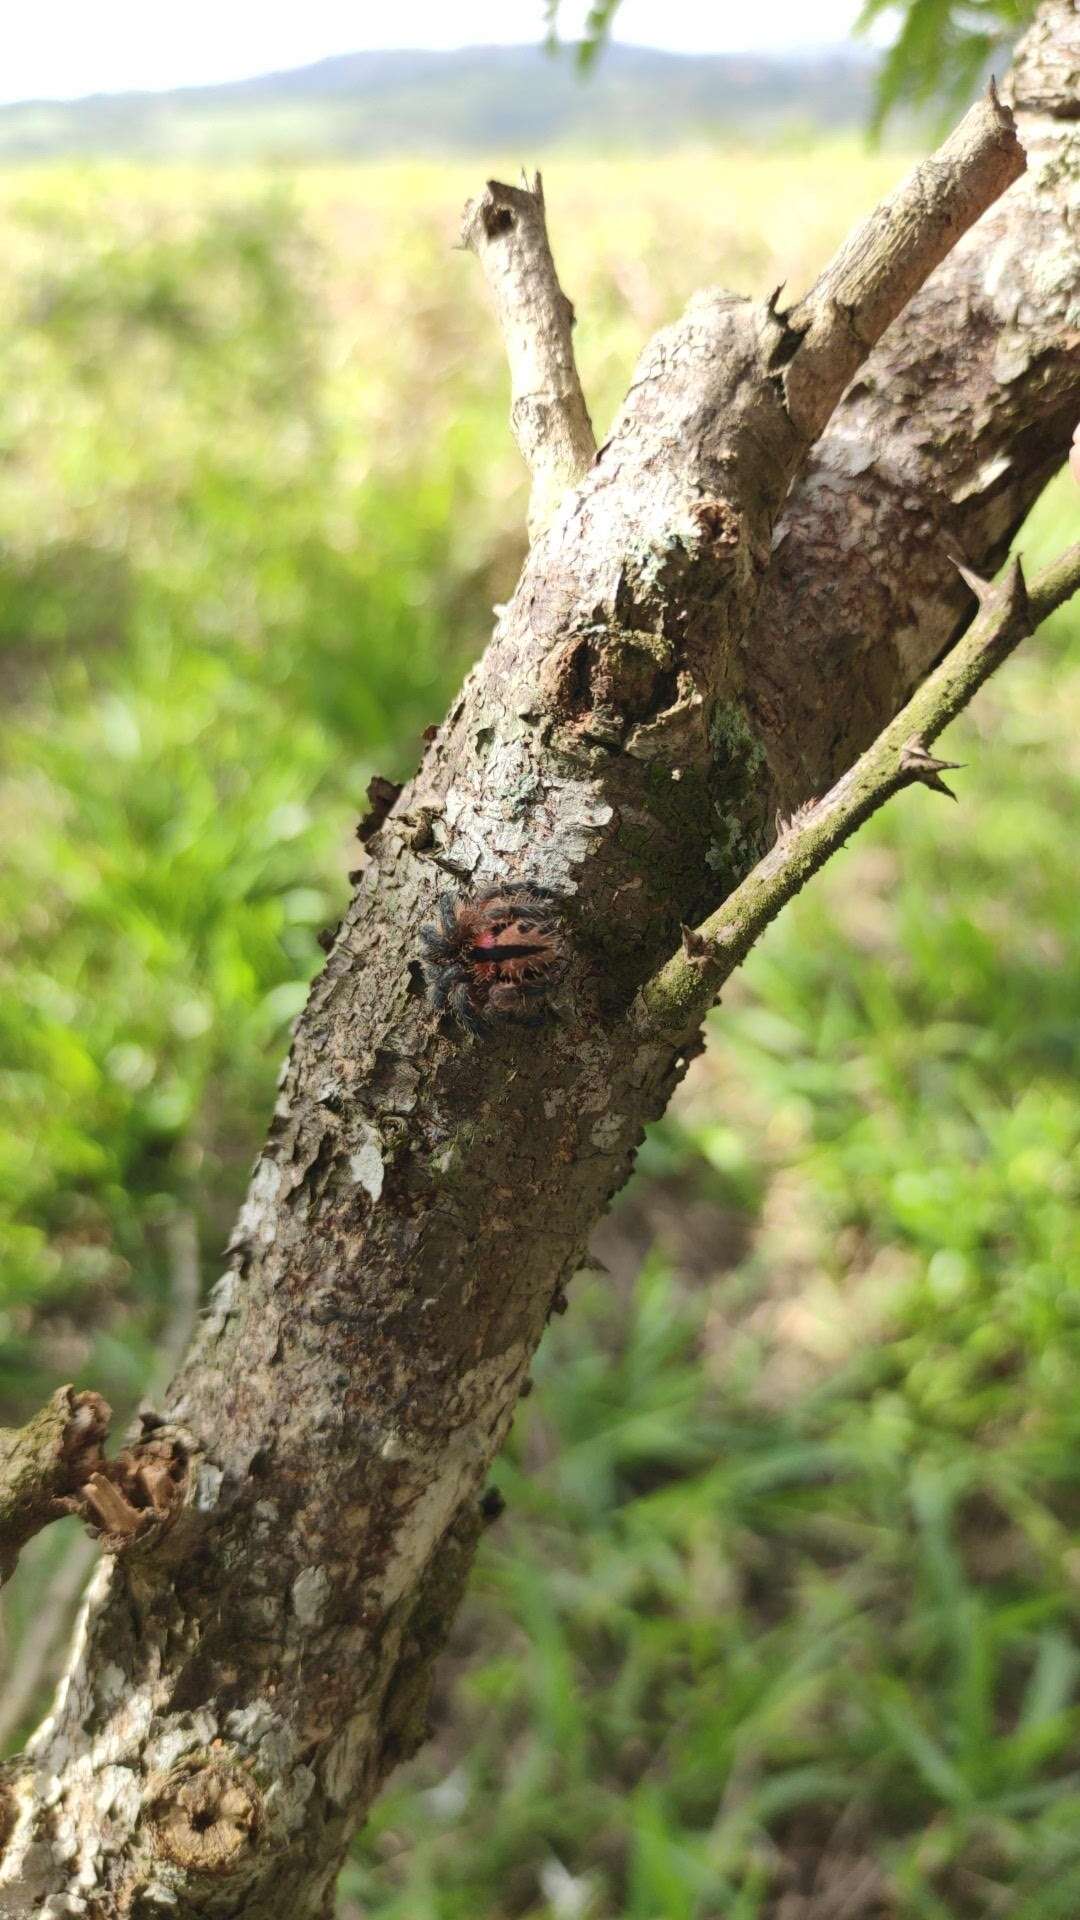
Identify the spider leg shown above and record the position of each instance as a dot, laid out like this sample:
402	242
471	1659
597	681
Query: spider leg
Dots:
434	945
447	912
460	1005
443	984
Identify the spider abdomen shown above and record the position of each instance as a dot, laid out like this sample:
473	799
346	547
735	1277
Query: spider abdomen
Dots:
493	955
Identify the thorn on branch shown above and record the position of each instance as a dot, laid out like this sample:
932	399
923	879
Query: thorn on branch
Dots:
982	589
1014	595
921	765
698	950
788	825
1008	597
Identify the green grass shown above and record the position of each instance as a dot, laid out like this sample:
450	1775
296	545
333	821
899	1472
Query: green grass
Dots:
782	1618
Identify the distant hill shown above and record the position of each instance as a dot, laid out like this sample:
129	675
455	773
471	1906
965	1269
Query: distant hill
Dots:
495	98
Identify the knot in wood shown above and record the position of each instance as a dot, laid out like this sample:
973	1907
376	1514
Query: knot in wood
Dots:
496	218
204	1818
718	521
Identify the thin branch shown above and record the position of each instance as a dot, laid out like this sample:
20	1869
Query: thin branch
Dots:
506	228
679	996
891	254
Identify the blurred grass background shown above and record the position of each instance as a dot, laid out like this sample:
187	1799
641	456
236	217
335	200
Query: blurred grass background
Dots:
782	1618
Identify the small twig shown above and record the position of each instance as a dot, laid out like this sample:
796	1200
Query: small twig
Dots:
506	228
676	1000
889	256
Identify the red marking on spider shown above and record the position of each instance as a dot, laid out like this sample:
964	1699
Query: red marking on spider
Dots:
494	956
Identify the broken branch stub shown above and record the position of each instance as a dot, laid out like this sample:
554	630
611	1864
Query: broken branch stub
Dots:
506	228
45	1464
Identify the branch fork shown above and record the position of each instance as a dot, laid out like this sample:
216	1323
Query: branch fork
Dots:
306	1625
678	997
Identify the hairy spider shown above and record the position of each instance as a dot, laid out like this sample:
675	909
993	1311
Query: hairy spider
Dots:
494	955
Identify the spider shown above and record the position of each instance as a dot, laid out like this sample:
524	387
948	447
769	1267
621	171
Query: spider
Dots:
494	955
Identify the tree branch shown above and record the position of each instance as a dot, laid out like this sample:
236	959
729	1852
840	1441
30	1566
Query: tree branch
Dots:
677	999
939	447
506	227
891	254
425	1195
46	1465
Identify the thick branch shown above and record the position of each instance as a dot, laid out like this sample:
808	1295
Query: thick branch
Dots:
506	227
424	1196
45	1467
680	995
889	256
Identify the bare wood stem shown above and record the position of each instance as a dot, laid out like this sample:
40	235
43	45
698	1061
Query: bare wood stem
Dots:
889	256
680	994
506	227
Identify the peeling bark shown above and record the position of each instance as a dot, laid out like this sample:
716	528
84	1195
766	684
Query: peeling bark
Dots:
243	1682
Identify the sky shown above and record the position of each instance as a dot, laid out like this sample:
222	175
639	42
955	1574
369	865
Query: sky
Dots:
59	49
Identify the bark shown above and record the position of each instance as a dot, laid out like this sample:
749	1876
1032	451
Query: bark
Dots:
505	227
245	1678
676	1001
944	441
45	1466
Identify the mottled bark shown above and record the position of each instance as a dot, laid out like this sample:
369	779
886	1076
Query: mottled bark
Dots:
244	1681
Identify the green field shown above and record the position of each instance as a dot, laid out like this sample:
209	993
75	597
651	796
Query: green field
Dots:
782	1618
